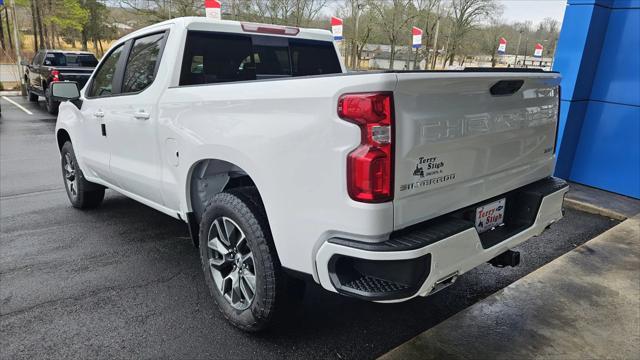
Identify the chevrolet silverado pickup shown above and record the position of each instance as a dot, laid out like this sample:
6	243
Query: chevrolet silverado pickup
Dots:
288	170
50	66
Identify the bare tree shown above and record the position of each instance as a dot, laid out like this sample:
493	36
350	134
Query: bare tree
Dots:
6	17
466	15
1	32
426	12
288	12
159	10
490	35
550	30
393	17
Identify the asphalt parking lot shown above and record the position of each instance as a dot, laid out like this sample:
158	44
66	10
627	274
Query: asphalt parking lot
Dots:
124	280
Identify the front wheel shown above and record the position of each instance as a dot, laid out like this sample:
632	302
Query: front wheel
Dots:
82	193
239	260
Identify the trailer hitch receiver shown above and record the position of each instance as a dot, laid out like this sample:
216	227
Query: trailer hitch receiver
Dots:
507	258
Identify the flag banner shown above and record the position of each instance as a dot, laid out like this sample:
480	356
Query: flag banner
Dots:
336	28
537	52
416	35
502	46
212	9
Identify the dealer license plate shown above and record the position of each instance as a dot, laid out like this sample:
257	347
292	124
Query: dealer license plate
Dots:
490	216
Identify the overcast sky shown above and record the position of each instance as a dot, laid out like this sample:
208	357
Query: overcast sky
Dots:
514	10
522	10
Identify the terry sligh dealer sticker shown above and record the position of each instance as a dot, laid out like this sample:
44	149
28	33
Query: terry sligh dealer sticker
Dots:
428	171
490	215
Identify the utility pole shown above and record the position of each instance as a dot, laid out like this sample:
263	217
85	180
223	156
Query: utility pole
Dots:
526	49
515	61
435	44
23	91
553	54
355	63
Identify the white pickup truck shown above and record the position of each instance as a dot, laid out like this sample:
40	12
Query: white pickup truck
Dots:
382	186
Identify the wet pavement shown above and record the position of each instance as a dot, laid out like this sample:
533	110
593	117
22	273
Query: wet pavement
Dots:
124	280
583	305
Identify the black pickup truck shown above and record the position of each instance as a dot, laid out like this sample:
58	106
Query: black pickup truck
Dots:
49	66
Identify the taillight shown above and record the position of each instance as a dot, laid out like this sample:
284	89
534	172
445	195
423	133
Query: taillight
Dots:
55	75
370	165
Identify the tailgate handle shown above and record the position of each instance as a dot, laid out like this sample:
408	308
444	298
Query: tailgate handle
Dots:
506	87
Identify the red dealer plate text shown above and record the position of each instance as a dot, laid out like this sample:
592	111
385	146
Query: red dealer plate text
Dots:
490	216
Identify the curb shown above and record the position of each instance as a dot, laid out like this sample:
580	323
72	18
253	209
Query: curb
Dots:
9	92
593	209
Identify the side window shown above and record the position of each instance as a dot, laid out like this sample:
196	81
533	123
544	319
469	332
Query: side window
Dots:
313	58
213	58
102	83
141	65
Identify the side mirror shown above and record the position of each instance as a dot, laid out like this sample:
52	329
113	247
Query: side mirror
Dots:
24	63
64	90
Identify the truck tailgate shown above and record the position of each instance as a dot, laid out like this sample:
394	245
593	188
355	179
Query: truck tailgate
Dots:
458	144
78	74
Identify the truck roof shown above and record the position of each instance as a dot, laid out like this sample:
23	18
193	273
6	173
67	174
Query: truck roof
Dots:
206	24
75	52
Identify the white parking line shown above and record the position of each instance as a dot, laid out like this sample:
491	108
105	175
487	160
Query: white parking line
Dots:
18	105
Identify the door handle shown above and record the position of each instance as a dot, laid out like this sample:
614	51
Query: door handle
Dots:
99	114
141	115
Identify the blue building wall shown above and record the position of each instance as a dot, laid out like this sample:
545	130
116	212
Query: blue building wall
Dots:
598	56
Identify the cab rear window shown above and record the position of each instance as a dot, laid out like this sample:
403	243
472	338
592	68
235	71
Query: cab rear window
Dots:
81	60
70	59
211	57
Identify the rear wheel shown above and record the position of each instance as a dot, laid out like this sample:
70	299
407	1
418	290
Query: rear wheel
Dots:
52	106
239	260
82	193
33	97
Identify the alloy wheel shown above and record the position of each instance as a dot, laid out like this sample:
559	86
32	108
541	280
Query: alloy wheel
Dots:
69	172
231	262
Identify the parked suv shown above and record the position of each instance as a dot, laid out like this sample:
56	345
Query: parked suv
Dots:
50	66
382	186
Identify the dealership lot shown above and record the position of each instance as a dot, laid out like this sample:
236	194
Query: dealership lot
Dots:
125	281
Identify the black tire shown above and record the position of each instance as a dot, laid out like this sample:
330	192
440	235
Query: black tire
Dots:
32	96
52	106
82	193
243	208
